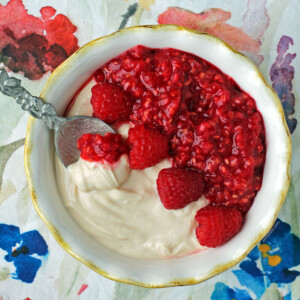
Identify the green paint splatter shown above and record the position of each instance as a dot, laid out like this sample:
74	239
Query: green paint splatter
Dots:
126	291
10	117
4	59
7	189
291	198
23	250
271	292
4	273
295	287
290	211
5	153
135	20
293	203
73	282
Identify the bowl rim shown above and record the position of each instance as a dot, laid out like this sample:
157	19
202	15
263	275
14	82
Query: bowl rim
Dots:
56	233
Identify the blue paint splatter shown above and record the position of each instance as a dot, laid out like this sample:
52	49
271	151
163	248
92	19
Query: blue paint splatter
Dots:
222	291
281	242
22	250
286	245
282	74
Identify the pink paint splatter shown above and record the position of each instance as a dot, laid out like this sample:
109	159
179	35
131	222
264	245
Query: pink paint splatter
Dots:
211	21
34	45
82	289
282	74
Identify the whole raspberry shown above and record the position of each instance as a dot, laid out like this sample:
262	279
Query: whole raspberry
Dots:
147	147
110	103
94	147
179	187
217	224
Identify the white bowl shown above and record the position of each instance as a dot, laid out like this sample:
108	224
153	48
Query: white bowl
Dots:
190	269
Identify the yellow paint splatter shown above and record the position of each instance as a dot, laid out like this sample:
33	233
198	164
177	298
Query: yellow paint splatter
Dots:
274	260
146	3
264	248
4	274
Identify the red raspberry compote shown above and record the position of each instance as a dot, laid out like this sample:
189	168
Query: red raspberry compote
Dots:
212	125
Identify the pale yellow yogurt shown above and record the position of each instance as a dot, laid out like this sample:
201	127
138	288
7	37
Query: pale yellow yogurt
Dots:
125	214
90	176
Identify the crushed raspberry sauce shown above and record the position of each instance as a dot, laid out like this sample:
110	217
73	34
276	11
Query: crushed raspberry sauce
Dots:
107	148
212	125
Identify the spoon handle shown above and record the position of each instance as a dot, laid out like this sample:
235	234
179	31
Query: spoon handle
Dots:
36	107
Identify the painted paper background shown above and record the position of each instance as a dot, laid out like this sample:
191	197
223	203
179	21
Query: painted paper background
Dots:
35	37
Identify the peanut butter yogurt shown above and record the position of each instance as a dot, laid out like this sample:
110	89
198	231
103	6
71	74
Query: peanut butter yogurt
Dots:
120	208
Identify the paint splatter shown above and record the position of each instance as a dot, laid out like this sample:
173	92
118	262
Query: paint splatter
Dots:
34	45
211	21
130	12
6	152
6	190
23	251
274	260
82	289
282	74
127	291
222	291
256	19
146	4
255	22
4	273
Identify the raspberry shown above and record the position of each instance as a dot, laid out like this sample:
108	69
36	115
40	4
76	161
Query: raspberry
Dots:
99	76
217	224
95	147
147	147
110	103
179	187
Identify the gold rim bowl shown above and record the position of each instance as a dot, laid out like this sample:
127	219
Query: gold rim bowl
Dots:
190	269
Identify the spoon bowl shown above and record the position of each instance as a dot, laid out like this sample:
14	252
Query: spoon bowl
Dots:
67	131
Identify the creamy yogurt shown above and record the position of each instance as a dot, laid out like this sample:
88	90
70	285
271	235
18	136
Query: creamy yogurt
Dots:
90	176
125	214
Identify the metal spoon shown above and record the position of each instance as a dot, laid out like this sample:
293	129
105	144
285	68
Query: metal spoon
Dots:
67	131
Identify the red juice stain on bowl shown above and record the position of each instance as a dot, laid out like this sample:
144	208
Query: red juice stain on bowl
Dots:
212	125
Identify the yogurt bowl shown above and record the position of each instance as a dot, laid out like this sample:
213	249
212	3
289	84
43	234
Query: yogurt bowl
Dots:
68	78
